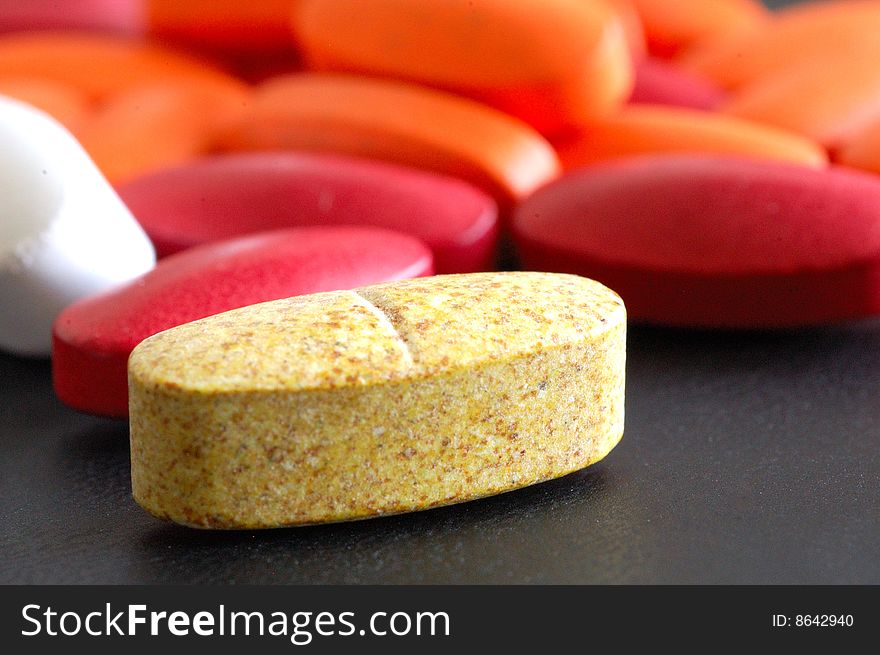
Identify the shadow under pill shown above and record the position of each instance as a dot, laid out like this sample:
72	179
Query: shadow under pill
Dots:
710	353
106	439
422	547
95	473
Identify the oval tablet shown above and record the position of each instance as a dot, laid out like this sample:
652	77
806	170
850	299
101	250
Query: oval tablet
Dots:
67	105
229	195
97	65
149	127
93	338
798	35
552	63
639	130
702	241
632	26
401	123
828	100
674	25
862	150
661	83
386	399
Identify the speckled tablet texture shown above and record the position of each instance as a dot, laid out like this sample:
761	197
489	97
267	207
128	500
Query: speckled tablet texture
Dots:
390	398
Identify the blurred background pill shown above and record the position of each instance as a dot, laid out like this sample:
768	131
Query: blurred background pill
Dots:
713	242
800	35
862	150
117	16
663	83
230	195
643	129
65	103
149	127
237	25
829	100
100	65
551	63
401	123
675	25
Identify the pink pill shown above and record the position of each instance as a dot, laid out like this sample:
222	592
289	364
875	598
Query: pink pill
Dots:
661	83
121	16
708	241
93	338
226	196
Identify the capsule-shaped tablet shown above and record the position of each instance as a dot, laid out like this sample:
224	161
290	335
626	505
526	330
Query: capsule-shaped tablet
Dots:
828	100
862	150
64	103
552	63
150	127
386	399
798	35
94	337
675	25
632	26
401	123
638	130
661	83
716	242
97	65
225	196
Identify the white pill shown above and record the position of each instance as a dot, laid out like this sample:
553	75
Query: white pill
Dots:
64	233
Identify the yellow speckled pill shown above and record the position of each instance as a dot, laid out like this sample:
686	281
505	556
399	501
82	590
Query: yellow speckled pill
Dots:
390	398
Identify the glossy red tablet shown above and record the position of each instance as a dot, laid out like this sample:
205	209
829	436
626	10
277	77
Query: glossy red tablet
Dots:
93	338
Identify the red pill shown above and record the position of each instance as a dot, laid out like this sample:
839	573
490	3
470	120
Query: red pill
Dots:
242	25
93	338
662	83
716	242
230	195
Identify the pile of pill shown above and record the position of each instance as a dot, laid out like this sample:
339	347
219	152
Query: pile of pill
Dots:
335	259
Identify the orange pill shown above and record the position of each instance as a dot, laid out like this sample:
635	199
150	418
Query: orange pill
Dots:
638	130
63	102
401	123
235	24
98	65
632	26
552	63
828	100
863	150
796	36
674	25
150	127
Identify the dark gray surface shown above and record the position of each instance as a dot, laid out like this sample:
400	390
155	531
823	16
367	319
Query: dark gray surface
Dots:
748	458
